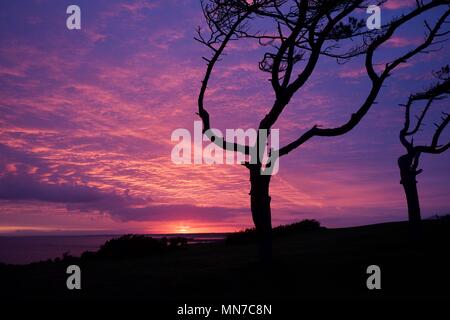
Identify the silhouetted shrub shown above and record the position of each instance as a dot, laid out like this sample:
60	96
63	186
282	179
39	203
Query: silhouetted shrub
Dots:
135	246
66	258
88	255
444	218
177	242
249	235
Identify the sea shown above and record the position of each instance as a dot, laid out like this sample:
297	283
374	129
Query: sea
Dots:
28	249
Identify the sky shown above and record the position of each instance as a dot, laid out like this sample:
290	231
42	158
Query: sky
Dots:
86	118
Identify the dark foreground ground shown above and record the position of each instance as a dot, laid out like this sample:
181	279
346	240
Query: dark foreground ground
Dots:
327	264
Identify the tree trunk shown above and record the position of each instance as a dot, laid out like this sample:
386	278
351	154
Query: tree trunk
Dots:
408	180
260	206
412	199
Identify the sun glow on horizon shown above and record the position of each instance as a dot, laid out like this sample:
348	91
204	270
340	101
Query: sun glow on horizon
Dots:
189	227
183	229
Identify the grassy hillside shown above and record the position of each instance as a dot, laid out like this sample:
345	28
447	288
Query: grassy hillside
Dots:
312	264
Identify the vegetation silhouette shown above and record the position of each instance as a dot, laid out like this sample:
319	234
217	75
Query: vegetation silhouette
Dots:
136	246
250	235
322	265
409	162
301	33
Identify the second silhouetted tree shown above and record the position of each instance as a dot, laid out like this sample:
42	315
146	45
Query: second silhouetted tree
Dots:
409	162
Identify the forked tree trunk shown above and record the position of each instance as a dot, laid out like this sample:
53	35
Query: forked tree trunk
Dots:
260	207
408	180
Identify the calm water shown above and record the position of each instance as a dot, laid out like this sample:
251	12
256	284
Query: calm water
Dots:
26	249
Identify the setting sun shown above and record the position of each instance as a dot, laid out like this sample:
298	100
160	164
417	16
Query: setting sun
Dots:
183	229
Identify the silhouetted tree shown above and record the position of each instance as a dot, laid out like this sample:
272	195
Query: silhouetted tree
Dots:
302	32
409	162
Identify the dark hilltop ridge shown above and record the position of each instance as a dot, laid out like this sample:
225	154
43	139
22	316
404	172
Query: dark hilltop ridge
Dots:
309	262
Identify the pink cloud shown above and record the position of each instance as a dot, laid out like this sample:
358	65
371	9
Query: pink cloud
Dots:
399	4
353	73
400	42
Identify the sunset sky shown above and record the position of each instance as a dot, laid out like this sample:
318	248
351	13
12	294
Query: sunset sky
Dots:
86	118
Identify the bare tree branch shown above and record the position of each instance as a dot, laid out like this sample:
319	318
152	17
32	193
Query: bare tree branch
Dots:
437	91
377	79
305	30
